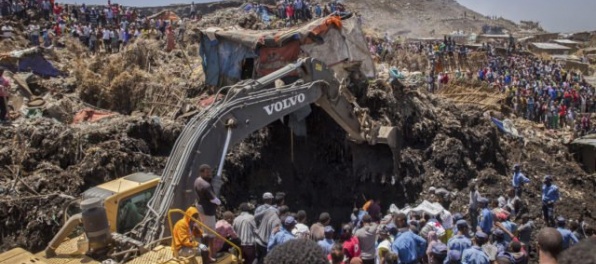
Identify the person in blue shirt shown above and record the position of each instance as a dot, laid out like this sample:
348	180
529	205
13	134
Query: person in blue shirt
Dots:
500	242
327	243
460	242
550	195
283	235
475	254
485	219
569	239
518	181
409	247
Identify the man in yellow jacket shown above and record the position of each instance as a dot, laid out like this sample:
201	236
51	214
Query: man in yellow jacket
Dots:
186	234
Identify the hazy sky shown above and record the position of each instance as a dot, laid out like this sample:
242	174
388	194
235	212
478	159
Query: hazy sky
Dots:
554	15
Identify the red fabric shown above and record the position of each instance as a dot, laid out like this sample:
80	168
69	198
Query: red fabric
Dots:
273	58
208	101
90	115
562	110
57	9
4	86
352	246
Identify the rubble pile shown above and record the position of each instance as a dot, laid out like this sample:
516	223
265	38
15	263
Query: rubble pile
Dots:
48	159
142	77
47	163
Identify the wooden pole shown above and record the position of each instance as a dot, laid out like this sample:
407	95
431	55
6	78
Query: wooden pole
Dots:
292	144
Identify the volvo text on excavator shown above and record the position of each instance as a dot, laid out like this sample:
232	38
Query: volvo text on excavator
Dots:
128	220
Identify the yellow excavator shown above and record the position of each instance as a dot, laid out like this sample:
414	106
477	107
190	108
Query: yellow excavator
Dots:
128	220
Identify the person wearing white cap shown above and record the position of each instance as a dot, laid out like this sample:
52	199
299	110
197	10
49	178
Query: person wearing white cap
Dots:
267	201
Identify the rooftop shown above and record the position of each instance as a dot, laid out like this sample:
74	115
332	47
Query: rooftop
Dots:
566	41
543	45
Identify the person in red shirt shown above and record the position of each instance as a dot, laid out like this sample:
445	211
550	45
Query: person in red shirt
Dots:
562	114
445	79
57	10
351	246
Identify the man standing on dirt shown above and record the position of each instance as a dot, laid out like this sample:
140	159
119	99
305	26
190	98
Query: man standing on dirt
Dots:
519	179
550	195
473	206
207	204
485	220
4	86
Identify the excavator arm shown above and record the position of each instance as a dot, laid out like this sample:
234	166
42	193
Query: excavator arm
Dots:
246	107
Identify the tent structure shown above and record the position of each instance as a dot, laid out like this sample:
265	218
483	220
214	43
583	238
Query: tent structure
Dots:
29	60
233	54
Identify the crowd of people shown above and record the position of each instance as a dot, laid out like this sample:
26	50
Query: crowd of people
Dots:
293	11
497	230
542	91
109	27
539	90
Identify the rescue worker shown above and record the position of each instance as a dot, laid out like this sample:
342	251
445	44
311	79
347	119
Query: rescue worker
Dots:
460	241
485	219
186	234
283	235
409	247
475	254
569	239
550	195
518	181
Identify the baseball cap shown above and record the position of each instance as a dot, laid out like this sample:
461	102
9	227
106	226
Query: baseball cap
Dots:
267	195
290	221
560	219
499	233
516	166
329	229
481	235
461	223
548	178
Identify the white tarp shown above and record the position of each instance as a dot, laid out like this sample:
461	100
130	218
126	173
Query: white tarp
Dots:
348	44
426	207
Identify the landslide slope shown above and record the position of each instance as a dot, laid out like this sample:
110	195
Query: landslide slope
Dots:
417	18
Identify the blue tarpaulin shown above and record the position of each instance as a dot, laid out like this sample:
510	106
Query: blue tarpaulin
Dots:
37	64
499	124
223	59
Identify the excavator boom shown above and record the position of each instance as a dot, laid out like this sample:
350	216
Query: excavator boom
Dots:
246	107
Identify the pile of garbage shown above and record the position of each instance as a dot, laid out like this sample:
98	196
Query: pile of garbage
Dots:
47	163
107	116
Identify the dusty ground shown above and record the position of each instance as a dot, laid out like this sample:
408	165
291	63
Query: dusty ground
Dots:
46	162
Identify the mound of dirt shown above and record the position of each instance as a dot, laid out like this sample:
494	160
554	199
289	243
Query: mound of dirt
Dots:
46	163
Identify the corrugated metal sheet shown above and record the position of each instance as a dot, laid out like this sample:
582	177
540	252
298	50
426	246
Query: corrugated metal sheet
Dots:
550	46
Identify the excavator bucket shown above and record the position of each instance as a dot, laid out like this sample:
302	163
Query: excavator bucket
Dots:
378	161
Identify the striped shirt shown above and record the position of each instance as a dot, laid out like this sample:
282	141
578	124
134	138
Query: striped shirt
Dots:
245	227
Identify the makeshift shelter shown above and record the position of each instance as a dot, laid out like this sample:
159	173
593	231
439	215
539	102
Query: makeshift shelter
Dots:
165	15
29	60
233	54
